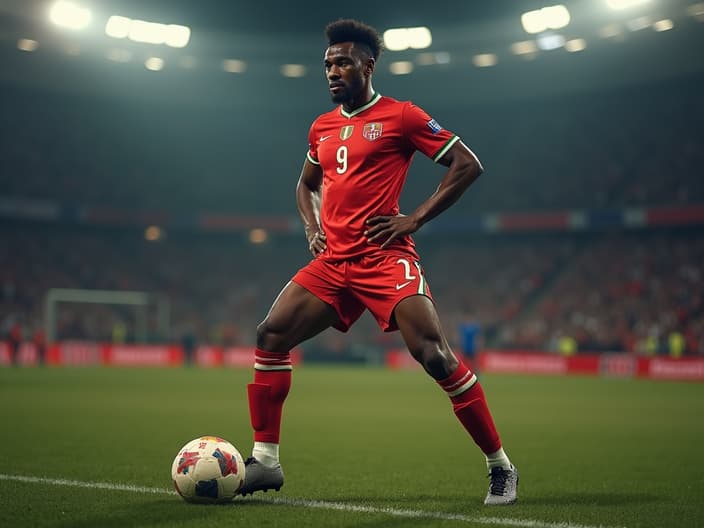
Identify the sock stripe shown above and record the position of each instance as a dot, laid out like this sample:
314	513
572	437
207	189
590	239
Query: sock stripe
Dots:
466	384
260	366
270	361
451	384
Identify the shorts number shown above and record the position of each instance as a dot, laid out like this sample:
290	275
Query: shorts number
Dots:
407	266
342	159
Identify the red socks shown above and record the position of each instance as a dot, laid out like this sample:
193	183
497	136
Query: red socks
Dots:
469	404
272	381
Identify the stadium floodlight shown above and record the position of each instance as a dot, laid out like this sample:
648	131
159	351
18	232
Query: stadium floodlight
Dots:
69	15
154	64
177	36
401	67
485	60
551	17
428	58
525	47
258	235
293	70
173	35
399	39
663	25
147	32
625	4
234	66
25	44
696	11
574	45
118	27
550	41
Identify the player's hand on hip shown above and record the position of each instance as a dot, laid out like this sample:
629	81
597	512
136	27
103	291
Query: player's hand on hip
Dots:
317	242
383	230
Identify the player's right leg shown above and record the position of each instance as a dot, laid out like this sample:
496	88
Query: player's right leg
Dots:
295	316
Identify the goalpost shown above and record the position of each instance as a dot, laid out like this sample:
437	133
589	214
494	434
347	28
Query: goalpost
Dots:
141	301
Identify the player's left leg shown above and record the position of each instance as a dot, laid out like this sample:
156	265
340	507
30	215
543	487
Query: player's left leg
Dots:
420	327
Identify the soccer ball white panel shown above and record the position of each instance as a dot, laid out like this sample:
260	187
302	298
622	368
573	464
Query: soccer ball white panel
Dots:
208	469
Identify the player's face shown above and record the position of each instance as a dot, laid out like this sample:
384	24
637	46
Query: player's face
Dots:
345	72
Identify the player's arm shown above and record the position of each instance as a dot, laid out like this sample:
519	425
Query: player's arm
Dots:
308	193
463	168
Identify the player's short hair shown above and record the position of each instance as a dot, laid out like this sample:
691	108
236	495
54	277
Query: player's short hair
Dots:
350	30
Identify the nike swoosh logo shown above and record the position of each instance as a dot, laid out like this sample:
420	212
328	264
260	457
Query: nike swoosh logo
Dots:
323	138
399	286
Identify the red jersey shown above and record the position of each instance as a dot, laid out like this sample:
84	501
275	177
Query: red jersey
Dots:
365	155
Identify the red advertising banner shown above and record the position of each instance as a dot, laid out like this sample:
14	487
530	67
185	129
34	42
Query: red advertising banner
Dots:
514	361
26	354
142	355
688	369
522	362
619	365
209	356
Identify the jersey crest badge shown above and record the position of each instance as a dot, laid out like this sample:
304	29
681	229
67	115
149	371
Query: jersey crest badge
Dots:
372	131
346	132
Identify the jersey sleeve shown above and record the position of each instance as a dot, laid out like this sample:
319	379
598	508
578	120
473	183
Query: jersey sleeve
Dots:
312	154
425	133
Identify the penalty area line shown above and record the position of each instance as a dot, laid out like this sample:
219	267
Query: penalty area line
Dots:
317	504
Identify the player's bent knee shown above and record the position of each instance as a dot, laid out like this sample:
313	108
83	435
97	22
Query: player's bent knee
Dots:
436	361
269	339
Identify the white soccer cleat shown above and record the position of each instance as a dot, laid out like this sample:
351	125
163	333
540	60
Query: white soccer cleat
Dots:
503	487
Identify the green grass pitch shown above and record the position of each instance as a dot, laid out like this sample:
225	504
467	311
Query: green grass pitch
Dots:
361	447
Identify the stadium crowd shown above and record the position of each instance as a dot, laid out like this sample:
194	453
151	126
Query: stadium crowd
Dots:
620	292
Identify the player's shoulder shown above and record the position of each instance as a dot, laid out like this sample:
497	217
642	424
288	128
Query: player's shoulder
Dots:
395	104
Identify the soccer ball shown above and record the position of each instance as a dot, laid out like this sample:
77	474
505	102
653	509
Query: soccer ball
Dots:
208	469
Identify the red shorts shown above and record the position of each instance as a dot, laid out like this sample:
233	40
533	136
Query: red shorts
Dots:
376	282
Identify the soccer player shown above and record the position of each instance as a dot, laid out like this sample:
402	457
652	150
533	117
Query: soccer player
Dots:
364	258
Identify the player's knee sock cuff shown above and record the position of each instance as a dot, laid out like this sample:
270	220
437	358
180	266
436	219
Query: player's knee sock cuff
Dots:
459	382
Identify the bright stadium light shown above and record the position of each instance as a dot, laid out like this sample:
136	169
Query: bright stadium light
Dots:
551	17
696	11
550	41
118	27
146	32
234	66
485	60
258	235
401	67
399	39
293	70
69	15
576	45
625	4
428	58
663	25
154	64
25	44
525	47
177	36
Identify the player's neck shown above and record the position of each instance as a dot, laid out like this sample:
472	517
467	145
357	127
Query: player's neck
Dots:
364	98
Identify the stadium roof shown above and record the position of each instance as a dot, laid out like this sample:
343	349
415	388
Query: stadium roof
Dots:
480	46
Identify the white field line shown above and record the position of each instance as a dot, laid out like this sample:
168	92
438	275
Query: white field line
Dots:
323	505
